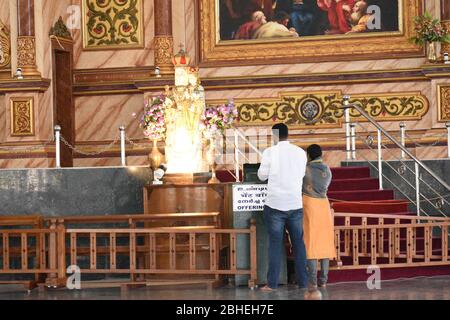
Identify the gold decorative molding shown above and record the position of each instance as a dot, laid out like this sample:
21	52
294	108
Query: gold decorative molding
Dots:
5	46
372	45
112	24
446	46
26	55
164	53
443	102
22	117
322	109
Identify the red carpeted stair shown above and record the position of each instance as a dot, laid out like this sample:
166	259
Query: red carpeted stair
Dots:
352	190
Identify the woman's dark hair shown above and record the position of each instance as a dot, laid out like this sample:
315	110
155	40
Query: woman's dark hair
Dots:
280	16
314	151
281	130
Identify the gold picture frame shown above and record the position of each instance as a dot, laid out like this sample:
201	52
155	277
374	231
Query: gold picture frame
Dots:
366	46
22	117
443	95
130	38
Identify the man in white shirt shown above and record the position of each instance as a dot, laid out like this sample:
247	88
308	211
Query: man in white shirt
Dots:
284	166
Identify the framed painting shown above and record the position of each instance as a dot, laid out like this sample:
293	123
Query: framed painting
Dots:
238	32
112	24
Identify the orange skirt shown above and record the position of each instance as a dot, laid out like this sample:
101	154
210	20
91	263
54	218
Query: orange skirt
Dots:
318	228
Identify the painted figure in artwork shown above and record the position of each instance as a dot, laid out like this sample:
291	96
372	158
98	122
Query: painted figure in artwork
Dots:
339	12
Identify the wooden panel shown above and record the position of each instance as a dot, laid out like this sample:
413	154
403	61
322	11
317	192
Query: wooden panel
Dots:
337	242
152	251
41	248
397	237
410	245
5	252
391	245
427	244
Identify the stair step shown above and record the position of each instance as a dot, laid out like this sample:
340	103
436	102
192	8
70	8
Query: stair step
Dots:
350	172
399	207
353	184
361	195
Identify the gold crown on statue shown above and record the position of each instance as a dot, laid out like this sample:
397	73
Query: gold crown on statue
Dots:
181	59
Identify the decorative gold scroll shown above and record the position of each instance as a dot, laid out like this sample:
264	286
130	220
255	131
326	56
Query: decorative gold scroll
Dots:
5	46
323	109
22	116
444	102
113	24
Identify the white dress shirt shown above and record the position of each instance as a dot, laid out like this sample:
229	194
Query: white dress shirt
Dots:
284	165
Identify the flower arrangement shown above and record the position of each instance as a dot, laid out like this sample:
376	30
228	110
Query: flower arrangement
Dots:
219	118
429	29
153	120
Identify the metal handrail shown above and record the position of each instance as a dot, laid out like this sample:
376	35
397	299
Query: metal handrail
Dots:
397	143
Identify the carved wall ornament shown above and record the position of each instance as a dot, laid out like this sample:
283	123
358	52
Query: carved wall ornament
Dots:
112	24
444	102
163	50
60	30
5	46
22	116
323	109
26	51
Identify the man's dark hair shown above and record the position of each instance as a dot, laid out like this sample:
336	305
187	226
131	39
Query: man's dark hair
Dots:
314	151
281	130
280	16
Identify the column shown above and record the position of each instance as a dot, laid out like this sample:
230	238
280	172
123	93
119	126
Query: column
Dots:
445	18
26	40
163	36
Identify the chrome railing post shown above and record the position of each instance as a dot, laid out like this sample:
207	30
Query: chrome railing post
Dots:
416	169
402	137
122	146
353	137
58	145
380	160
448	138
236	155
347	127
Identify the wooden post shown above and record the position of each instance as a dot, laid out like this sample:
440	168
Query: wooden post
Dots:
93	250
381	238
5	251
61	253
112	251
391	245
409	245
212	252
373	246
192	252
445	243
172	251
355	247
427	243
233	258
253	256
347	237
397	237
337	243
24	250
52	278
152	251
364	236
73	249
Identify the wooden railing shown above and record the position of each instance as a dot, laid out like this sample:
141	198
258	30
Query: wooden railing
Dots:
151	253
390	241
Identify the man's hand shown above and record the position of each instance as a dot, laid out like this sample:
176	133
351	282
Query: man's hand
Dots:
346	7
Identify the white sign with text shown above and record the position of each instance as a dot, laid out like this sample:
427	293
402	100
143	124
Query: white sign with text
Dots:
251	197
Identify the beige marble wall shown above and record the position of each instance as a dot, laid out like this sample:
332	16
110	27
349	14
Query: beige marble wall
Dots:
99	118
4	12
118	58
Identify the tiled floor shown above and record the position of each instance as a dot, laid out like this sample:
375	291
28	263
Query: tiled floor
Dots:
436	288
